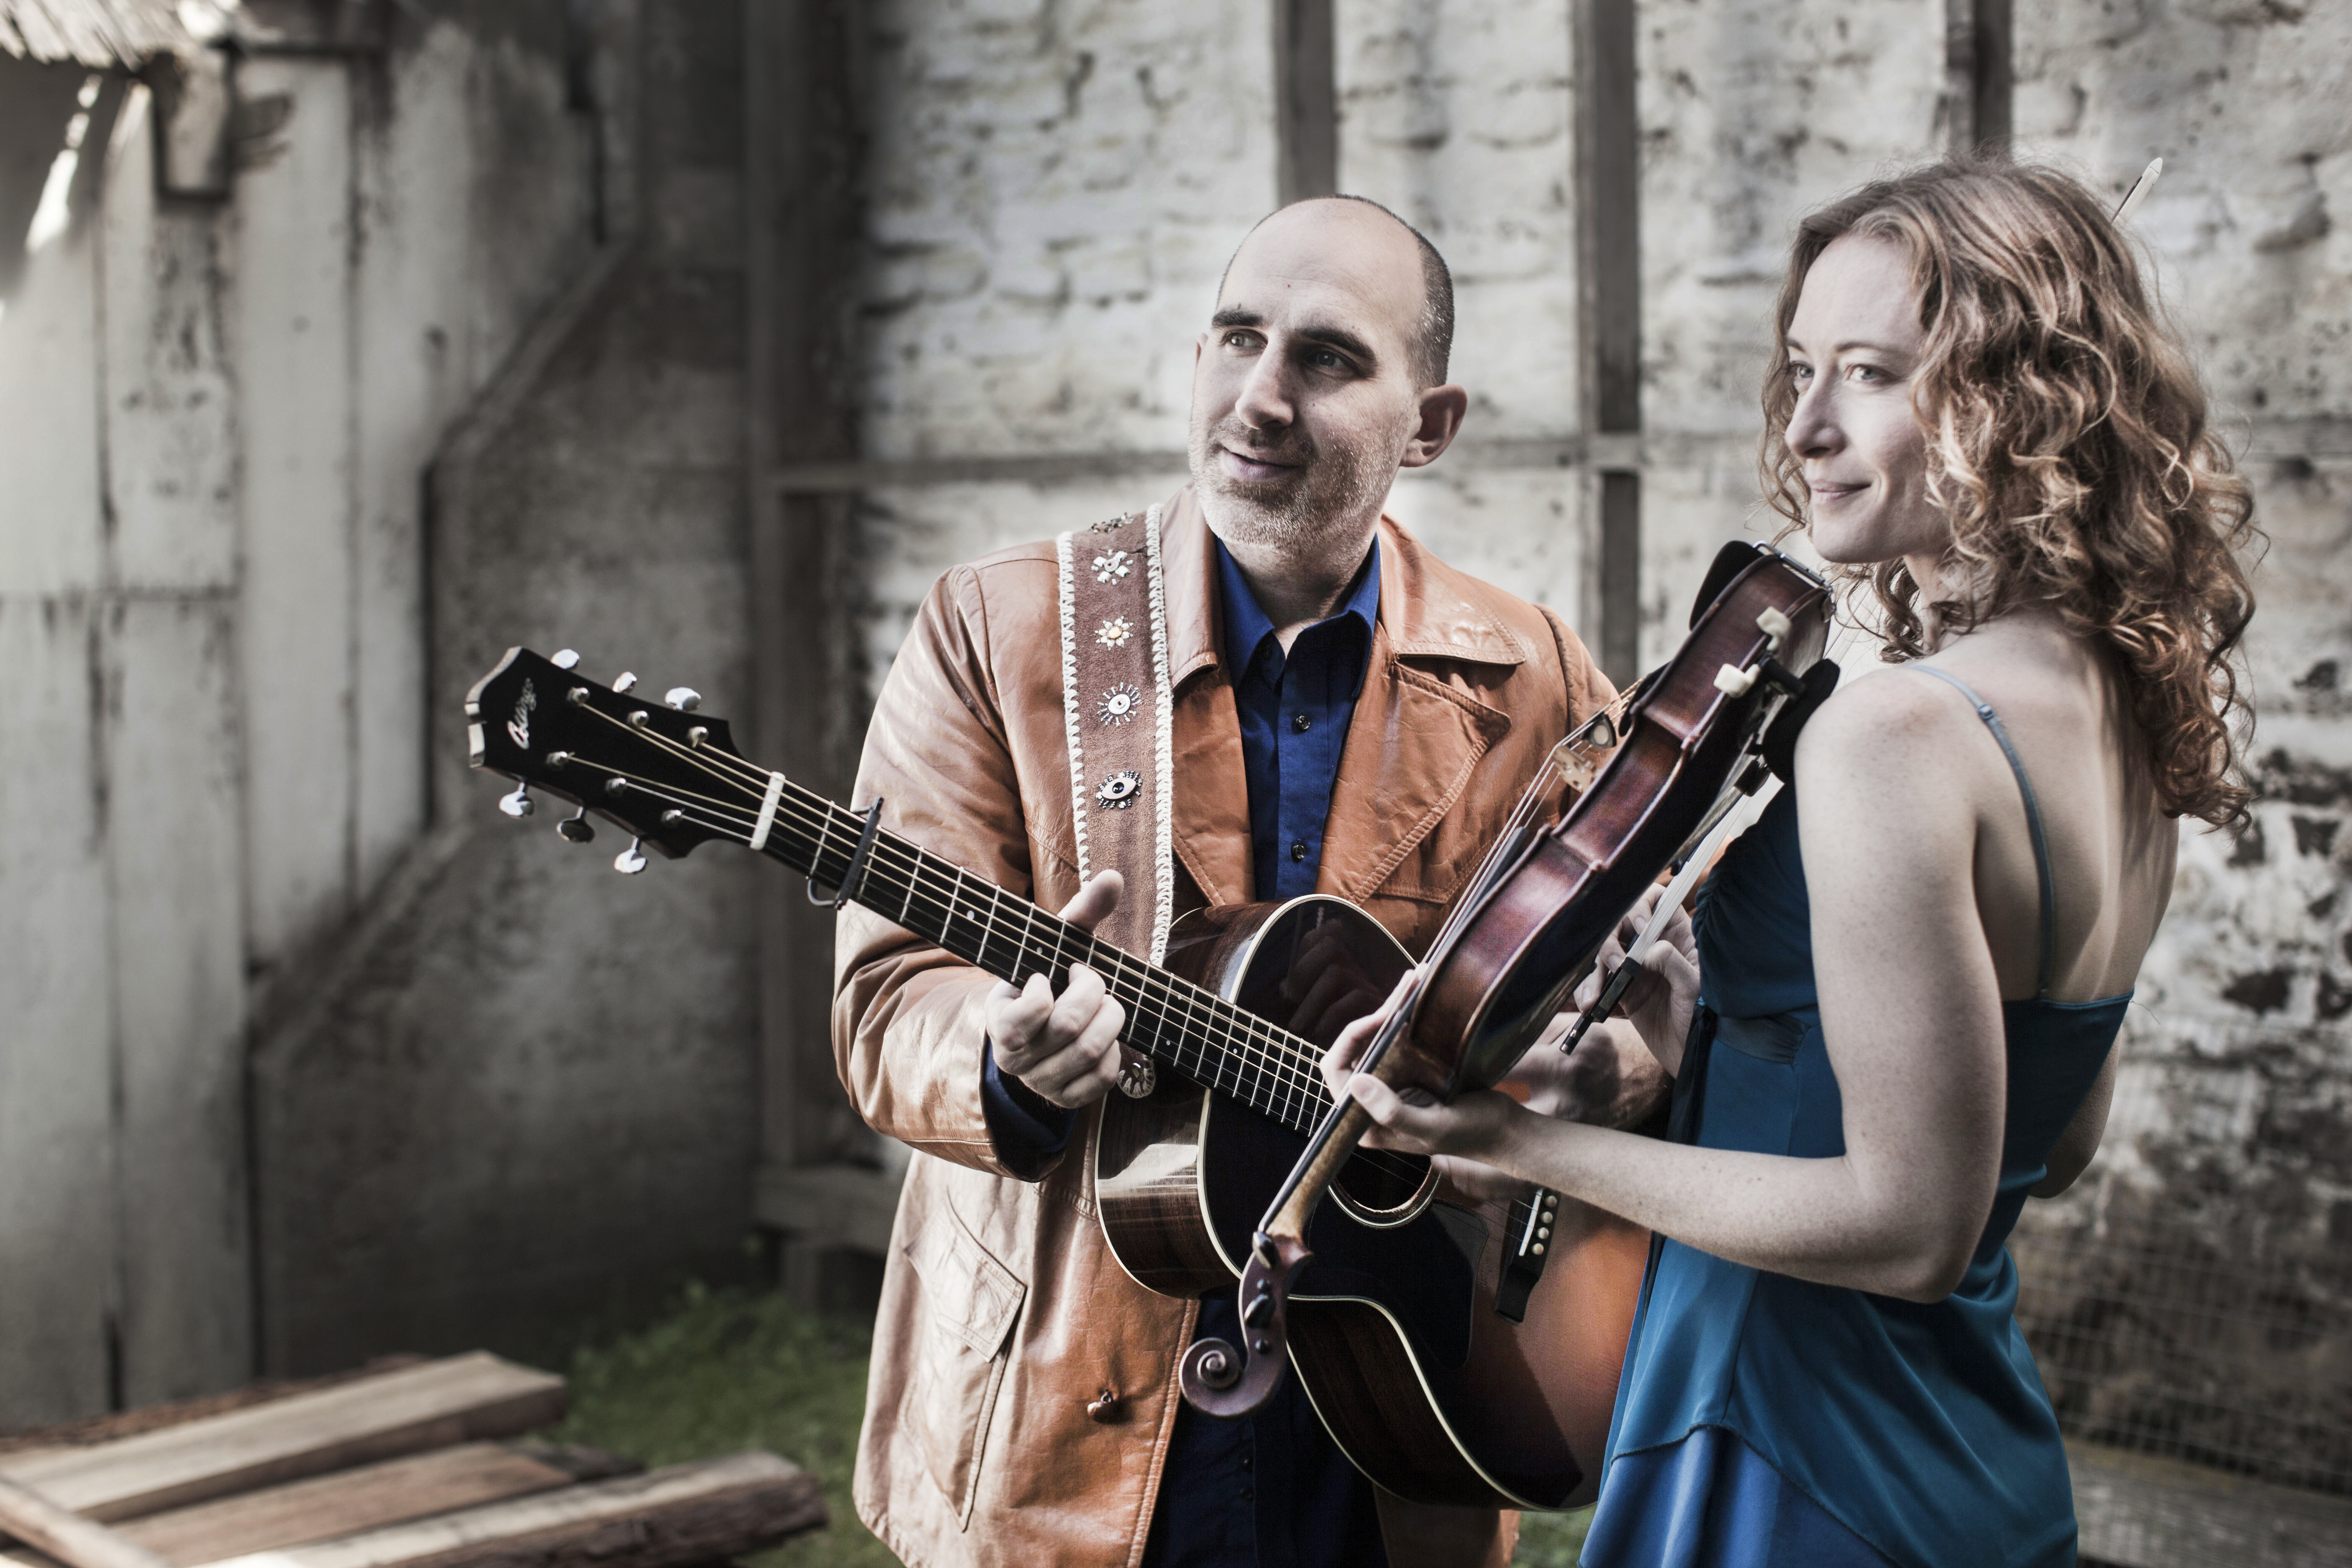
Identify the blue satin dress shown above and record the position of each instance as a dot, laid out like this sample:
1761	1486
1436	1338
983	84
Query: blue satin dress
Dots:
1766	1420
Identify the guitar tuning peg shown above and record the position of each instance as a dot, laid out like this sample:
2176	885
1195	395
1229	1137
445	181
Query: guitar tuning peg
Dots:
576	828
685	699
519	803
628	679
630	861
569	659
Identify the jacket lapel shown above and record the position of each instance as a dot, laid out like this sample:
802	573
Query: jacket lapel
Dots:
1416	739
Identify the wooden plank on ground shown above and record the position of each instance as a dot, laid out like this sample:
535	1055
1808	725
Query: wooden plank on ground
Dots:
685	1514
67	1536
343	1503
2138	1512
407	1411
90	1430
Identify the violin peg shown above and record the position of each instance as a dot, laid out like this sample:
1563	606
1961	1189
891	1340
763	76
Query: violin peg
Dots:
1734	681
1775	625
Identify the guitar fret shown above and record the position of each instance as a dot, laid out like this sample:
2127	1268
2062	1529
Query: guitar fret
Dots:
1170	1020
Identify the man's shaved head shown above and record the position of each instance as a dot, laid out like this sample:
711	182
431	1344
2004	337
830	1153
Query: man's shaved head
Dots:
1433	338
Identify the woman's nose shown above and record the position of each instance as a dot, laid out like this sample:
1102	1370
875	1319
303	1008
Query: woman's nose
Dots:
1812	424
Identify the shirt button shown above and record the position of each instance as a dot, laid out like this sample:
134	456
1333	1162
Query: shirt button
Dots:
1245	1461
1299	851
1247	1494
1301	722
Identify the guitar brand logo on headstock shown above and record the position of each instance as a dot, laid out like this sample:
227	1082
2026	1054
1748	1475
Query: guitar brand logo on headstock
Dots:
518	727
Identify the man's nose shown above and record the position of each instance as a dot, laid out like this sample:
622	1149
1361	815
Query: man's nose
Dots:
1264	403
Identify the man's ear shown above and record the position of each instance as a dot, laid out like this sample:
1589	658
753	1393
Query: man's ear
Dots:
1442	409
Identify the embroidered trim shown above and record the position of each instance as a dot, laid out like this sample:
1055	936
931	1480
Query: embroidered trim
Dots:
1071	733
1163	836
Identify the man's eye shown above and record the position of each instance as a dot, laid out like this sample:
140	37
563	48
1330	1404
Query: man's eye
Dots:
1241	340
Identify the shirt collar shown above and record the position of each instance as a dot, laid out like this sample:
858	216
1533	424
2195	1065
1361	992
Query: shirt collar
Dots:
1246	625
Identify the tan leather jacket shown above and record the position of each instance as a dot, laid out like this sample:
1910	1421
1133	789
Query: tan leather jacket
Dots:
1003	1314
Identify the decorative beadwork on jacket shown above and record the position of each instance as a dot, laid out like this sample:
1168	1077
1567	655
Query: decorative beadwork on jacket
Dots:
1117	791
1119	704
1115	633
1108	567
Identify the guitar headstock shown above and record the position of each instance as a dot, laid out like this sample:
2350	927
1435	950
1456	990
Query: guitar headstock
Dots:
669	776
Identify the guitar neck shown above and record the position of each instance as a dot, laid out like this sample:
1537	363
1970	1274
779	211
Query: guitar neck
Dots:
1170	1019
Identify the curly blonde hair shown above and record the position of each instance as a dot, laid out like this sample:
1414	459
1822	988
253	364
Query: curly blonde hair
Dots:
2068	441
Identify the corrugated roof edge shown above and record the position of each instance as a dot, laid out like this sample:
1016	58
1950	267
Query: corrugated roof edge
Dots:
96	33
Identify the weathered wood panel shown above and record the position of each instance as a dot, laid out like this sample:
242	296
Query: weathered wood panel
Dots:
291	331
58	1201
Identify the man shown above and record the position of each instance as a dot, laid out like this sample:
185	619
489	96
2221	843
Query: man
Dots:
1348	715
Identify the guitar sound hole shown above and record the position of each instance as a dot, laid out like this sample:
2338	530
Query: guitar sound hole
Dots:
1380	1187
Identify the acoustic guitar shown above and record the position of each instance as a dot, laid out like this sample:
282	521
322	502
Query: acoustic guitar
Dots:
1461	1346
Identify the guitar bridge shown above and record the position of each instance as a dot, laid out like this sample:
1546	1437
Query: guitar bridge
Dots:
1532	1219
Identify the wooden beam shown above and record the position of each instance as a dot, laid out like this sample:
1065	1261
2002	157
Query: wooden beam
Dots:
66	1535
685	1514
401	1412
1306	101
803	217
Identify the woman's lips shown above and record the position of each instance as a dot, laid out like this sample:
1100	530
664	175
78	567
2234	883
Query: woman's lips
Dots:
1824	490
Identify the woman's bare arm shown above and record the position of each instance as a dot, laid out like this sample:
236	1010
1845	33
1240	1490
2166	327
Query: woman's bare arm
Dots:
1911	1013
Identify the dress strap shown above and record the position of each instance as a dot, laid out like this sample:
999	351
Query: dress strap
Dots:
2032	820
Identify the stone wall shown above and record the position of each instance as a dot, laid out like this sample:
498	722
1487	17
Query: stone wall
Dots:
2198	1294
1039	320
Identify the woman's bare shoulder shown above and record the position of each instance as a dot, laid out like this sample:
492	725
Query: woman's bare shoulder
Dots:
1888	718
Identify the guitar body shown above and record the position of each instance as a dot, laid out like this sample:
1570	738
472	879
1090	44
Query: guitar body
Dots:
1394	1328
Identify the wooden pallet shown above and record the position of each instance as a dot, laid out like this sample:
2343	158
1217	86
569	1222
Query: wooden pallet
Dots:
410	1465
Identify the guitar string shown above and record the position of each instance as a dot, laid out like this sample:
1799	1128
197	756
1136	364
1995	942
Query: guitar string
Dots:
1301	1088
1268	1035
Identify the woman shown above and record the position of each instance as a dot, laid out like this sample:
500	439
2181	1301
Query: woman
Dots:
1898	1014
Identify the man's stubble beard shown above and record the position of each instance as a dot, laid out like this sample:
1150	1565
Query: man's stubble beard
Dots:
1336	486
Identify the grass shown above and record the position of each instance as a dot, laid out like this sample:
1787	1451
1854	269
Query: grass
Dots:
732	1370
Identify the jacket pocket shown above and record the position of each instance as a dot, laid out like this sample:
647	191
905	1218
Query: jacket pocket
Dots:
968	1305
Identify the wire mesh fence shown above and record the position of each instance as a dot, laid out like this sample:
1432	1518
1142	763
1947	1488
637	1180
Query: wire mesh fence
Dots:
2196	1346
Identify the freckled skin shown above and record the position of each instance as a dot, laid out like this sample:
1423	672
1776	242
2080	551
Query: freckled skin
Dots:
1925	911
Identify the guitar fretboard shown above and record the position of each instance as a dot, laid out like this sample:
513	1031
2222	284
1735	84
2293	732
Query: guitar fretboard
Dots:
1169	1019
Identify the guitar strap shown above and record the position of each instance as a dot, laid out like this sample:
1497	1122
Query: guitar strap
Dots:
1117	710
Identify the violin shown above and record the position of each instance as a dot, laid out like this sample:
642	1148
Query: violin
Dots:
1687	744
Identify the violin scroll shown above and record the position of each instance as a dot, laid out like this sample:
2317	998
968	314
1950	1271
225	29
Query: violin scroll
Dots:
1232	1381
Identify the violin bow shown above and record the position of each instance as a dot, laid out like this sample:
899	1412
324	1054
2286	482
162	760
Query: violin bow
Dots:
2138	193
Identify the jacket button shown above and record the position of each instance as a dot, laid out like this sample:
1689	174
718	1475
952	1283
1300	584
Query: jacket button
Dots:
1301	722
1298	850
1104	1406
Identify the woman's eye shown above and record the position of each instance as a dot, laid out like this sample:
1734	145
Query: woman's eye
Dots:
1866	373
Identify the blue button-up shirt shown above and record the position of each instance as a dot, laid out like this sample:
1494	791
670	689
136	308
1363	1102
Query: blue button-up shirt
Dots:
1294	711
1272	1491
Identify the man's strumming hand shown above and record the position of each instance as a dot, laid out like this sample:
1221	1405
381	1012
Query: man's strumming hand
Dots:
1063	1048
